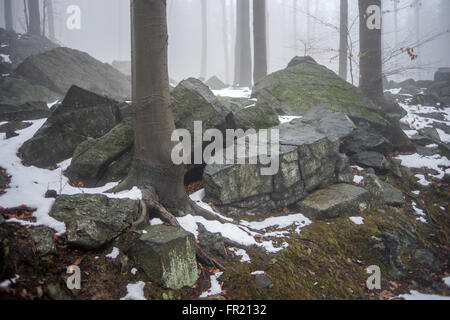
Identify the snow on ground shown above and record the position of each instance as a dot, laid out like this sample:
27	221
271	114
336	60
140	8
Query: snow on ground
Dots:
135	291
244	233
241	253
357	179
257	273
357	220
8	282
216	287
287	119
435	162
5	58
114	254
234	92
134	271
416	295
156	222
447	281
29	184
420	213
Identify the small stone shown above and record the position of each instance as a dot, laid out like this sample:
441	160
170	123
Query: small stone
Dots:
167	256
43	238
51	194
263	282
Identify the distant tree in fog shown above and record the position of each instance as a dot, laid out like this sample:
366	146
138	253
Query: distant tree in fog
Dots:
243	56
8	15
204	55
343	39
34	18
260	40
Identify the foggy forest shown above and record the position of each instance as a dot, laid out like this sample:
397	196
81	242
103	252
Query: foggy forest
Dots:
222	150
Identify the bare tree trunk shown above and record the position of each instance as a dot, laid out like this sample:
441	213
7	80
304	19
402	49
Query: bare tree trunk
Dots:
204	56
153	120
371	81
295	27
50	19
44	17
225	40
237	47
308	21
343	41
8	15
243	61
34	27
259	38
25	9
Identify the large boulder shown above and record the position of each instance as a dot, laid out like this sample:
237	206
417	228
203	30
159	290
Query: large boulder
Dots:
308	159
26	111
93	221
335	201
440	91
381	191
193	101
443	74
305	84
167	256
215	83
92	158
258	115
20	46
15	90
81	115
61	68
365	138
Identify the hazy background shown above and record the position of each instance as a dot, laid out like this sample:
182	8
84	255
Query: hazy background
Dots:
105	33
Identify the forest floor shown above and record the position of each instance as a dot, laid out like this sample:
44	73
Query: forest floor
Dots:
299	259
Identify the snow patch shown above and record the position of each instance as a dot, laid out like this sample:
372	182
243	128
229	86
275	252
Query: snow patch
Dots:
135	291
114	254
216	287
241	253
233	92
416	295
357	220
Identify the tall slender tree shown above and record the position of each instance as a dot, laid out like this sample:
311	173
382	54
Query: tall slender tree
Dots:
243	59
225	39
204	55
259	38
370	82
343	40
8	15
153	120
34	19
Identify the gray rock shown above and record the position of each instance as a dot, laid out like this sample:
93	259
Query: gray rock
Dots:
167	256
440	91
443	74
16	90
27	111
14	126
365	138
43	238
428	259
381	191
212	244
344	172
263	282
61	68
304	84
309	159
192	101
215	83
370	159
93	157
335	201
123	66
93	221
81	115
256	116
389	247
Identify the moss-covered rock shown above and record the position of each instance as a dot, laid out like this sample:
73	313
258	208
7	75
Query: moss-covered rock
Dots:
167	256
92	158
81	115
305	84
92	221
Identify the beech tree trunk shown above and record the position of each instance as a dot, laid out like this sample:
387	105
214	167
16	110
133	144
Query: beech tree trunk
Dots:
259	38
343	41
8	15
153	121
243	76
204	55
34	19
371	81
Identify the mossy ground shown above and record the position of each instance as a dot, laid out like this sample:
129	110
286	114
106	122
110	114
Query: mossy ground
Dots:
327	260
